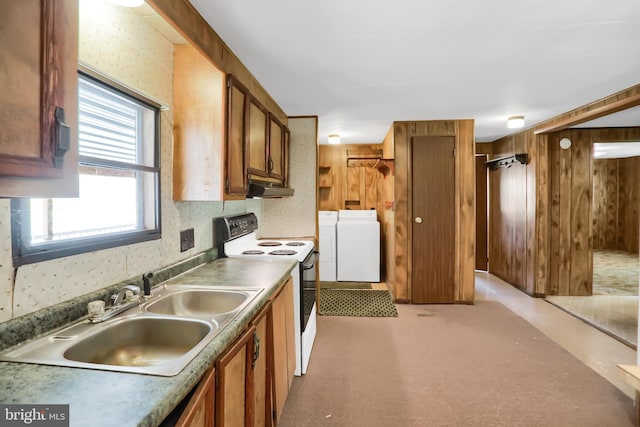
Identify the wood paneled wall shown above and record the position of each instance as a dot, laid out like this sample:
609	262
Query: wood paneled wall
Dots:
511	230
462	130
616	190
605	204
359	186
571	242
541	221
629	204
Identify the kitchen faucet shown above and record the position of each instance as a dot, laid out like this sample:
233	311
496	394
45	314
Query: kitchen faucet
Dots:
121	302
147	284
120	296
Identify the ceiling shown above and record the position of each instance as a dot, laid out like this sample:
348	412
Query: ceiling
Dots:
360	65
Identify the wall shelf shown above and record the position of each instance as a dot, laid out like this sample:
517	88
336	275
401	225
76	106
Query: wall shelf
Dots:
508	161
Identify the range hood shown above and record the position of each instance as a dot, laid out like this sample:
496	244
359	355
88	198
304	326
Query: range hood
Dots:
265	190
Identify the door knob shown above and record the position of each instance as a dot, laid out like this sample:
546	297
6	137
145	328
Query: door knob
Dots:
418	220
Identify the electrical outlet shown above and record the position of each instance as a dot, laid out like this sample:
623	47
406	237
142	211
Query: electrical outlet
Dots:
187	240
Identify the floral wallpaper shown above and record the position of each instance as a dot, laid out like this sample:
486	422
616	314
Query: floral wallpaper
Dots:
118	43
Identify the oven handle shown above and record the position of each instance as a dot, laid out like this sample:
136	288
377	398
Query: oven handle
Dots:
310	260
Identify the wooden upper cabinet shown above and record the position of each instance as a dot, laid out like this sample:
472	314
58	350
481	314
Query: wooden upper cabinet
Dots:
276	148
198	127
39	98
236	170
257	142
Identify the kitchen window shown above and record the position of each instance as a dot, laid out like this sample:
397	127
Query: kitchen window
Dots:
119	173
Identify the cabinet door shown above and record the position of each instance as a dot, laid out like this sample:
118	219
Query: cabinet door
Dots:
198	123
283	346
38	98
257	142
285	172
233	395
236	169
262	351
200	409
276	148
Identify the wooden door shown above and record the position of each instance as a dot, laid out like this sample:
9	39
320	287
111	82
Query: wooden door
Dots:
200	409
482	244
234	392
262	360
257	140
433	207
198	123
285	162
236	166
39	98
283	346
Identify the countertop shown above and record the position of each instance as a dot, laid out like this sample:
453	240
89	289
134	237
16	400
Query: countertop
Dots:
107	399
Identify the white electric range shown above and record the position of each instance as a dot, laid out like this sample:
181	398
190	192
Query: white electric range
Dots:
238	233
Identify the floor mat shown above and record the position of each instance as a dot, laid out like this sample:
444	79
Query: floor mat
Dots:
356	303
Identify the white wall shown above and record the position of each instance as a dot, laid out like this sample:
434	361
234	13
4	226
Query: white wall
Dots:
296	216
117	42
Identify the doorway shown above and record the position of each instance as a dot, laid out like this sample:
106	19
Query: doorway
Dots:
433	225
482	240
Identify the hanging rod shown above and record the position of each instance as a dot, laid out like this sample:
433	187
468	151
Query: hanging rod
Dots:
508	161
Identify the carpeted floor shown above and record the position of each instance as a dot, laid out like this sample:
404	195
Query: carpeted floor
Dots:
615	272
356	302
448	365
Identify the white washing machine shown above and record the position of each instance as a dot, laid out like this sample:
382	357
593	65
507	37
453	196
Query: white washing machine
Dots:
327	245
358	246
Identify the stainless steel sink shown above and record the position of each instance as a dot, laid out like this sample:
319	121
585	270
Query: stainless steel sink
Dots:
158	337
139	341
199	302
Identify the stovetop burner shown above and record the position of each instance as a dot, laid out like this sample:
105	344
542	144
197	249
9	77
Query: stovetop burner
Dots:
295	244
253	252
283	252
268	243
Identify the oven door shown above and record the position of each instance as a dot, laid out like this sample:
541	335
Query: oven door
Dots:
308	283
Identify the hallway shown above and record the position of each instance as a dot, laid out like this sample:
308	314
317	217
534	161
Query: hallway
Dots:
490	367
594	348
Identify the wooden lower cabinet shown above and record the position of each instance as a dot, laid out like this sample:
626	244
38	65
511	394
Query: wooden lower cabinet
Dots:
235	383
262	368
200	409
284	352
250	381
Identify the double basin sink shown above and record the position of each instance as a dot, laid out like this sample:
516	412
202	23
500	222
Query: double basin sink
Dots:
159	336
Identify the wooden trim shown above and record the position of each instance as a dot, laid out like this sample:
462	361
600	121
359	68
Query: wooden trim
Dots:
191	25
609	105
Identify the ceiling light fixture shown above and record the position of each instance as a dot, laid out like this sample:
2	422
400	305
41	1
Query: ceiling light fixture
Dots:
128	3
515	122
334	139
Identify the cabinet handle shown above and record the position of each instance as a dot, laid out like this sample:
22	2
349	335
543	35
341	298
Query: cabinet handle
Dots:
62	138
256	349
270	164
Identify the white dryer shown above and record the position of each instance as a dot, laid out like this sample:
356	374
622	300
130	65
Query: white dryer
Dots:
358	246
327	245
